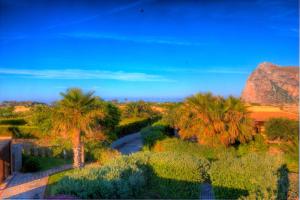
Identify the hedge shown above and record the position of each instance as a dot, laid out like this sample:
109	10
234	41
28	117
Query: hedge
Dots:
26	132
253	176
177	175
191	148
140	175
134	126
282	128
12	121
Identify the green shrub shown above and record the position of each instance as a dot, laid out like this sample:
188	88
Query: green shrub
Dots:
133	126
151	134
190	148
104	155
251	176
177	175
281	128
258	144
140	175
26	132
122	178
30	164
12	122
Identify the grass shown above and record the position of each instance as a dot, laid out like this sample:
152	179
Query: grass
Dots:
53	179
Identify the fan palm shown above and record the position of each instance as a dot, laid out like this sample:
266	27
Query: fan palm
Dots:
72	118
213	119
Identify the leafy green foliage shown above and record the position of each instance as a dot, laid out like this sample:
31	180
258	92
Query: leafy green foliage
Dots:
281	128
97	151
253	176
213	120
112	117
177	175
13	122
30	164
190	148
7	112
138	109
37	163
25	132
258	144
133	126
151	134
123	178
42	118
140	175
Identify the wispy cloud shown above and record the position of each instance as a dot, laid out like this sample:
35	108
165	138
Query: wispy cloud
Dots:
85	74
138	39
205	70
95	16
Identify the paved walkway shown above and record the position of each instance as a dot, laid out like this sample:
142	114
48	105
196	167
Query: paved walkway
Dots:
129	144
29	185
206	192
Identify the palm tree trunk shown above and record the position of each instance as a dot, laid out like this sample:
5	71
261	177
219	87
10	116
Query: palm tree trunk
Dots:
77	150
82	154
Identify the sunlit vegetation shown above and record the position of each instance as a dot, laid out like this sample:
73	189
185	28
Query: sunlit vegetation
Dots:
142	175
139	109
204	139
213	120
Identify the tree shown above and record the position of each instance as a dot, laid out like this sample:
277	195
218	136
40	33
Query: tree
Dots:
7	112
213	120
73	117
282	128
41	117
138	109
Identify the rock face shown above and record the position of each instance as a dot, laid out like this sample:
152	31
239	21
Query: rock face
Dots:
272	84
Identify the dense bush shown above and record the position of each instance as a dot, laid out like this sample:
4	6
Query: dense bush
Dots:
42	118
122	178
213	120
138	109
7	112
99	152
140	175
133	126
26	132
30	164
281	128
258	144
12	122
190	148
177	175
151	134
253	176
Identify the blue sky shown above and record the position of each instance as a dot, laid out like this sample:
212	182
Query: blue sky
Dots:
141	48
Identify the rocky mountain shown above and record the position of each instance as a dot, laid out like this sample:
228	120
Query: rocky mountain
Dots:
272	84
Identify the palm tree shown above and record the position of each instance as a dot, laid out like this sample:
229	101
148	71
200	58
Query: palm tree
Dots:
73	116
213	120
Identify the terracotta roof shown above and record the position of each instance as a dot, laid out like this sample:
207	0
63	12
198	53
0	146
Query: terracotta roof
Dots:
264	116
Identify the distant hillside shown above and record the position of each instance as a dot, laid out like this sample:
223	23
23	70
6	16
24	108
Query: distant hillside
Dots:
270	84
19	103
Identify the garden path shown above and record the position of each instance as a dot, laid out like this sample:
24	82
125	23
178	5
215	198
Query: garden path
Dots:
206	192
128	144
29	185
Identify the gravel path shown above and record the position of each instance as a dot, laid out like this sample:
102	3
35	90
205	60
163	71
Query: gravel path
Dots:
29	185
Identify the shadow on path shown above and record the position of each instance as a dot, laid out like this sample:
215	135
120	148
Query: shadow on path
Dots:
29	185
